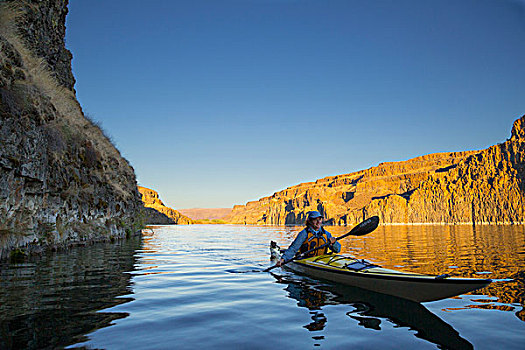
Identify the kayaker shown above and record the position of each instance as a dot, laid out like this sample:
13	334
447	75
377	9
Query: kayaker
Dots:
313	235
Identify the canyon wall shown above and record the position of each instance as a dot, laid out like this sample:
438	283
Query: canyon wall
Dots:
62	181
159	214
486	186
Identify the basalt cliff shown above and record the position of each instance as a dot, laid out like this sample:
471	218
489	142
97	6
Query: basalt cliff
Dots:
159	214
62	181
479	187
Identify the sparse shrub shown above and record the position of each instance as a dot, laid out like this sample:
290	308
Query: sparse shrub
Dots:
17	256
90	156
15	222
47	231
98	126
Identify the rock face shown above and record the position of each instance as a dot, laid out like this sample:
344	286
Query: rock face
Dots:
485	186
43	28
61	179
158	213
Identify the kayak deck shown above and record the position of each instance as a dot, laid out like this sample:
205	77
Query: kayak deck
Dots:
360	273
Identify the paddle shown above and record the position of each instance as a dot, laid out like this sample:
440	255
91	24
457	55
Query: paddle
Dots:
362	229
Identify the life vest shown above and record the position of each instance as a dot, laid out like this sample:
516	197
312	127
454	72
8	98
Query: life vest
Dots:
313	241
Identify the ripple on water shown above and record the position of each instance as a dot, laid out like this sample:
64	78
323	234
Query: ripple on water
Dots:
189	287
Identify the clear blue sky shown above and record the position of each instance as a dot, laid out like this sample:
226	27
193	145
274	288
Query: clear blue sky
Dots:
217	103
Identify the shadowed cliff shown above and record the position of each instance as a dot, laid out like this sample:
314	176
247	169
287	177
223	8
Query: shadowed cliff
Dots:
61	179
159	214
486	186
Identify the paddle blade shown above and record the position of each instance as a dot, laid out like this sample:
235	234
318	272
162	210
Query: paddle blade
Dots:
365	227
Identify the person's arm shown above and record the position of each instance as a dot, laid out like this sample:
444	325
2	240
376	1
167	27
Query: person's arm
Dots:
294	247
335	246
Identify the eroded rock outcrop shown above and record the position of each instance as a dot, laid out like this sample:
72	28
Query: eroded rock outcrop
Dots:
61	179
158	213
486	186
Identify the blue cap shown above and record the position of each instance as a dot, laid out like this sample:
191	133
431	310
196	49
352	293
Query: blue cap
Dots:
314	214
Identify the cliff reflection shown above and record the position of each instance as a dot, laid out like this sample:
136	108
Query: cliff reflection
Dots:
487	251
370	310
52	301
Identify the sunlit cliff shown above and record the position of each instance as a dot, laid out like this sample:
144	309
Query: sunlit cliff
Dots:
157	212
486	186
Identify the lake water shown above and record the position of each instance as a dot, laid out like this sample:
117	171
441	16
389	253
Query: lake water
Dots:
200	287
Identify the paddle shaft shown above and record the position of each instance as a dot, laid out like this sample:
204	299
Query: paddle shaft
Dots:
305	253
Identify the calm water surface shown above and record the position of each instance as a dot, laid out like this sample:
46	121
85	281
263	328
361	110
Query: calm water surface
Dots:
200	286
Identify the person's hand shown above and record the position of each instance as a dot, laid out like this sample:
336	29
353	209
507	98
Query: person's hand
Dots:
279	262
332	240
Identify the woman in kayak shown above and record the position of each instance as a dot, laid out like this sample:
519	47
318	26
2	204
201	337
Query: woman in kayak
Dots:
314	235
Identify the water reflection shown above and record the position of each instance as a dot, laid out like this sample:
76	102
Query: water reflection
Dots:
371	310
52	301
487	251
182	283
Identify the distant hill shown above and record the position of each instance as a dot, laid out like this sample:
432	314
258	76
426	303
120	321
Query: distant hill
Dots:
486	186
157	212
206	213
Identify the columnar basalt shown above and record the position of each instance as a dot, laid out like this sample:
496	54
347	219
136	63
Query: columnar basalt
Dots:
486	186
61	179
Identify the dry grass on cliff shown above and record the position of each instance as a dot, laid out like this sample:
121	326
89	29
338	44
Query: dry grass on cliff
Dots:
40	75
8	16
38	70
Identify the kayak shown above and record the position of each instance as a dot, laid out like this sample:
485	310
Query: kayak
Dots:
363	274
